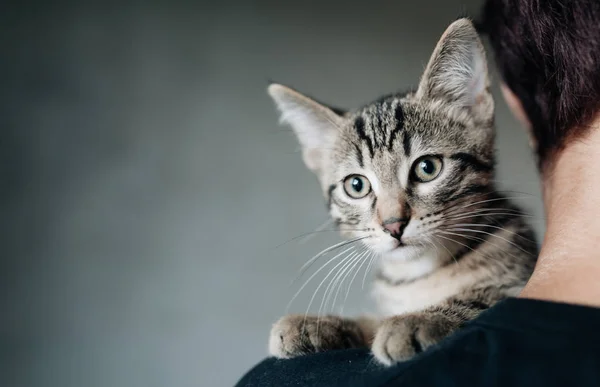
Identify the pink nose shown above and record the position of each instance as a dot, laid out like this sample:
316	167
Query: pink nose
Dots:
394	228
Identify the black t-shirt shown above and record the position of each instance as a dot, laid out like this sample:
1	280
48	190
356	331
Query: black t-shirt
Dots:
518	342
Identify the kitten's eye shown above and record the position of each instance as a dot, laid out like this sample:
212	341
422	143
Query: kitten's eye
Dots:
357	186
427	168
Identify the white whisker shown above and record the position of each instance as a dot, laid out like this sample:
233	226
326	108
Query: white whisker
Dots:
322	227
345	262
479	239
314	274
307	265
337	276
455	241
494	227
482	209
324	279
493	214
368	269
497	199
361	261
454	209
449	252
490	234
341	280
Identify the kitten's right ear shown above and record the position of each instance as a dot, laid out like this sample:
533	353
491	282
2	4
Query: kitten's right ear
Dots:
315	125
457	72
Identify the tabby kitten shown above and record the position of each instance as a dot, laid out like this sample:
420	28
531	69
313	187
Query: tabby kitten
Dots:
413	175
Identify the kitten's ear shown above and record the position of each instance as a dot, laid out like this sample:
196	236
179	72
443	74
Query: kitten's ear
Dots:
457	72
315	125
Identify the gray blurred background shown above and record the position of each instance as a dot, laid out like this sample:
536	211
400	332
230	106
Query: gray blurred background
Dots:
146	187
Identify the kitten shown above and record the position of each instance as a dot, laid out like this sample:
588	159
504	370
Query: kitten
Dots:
413	175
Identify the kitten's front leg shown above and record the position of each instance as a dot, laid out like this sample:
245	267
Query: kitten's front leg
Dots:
296	335
399	338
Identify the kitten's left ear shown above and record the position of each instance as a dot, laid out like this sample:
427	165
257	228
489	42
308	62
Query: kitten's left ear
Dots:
457	72
316	125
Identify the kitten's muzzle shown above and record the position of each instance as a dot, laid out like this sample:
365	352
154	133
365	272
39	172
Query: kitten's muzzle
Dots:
395	227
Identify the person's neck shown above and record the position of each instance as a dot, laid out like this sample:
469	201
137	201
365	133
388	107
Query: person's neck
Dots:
568	268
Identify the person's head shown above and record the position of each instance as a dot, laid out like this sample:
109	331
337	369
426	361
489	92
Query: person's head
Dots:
548	55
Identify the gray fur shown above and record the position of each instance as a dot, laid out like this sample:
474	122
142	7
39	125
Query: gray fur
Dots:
463	246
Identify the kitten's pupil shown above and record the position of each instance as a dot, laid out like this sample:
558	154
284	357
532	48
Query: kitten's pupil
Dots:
357	184
427	167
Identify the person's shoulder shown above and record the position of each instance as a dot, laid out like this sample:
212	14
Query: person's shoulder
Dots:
518	342
510	343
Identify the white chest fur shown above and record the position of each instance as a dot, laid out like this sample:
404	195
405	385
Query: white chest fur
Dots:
432	289
427	282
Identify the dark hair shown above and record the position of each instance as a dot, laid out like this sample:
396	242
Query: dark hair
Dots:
548	54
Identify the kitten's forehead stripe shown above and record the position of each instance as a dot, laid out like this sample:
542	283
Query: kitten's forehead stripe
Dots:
359	156
379	128
373	121
406	144
399	121
359	124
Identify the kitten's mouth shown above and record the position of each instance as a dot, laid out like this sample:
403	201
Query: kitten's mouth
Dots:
399	244
402	251
404	244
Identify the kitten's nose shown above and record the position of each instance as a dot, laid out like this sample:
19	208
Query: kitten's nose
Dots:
395	227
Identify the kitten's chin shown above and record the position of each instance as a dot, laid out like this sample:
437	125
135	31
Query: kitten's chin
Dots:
390	249
403	253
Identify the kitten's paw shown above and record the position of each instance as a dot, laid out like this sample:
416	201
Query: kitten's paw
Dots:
297	335
401	337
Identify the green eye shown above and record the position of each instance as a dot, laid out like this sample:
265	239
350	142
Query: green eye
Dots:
357	186
427	168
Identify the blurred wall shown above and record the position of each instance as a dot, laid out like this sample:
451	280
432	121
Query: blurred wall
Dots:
146	186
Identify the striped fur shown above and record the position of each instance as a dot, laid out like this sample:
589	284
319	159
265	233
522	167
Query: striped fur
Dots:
463	245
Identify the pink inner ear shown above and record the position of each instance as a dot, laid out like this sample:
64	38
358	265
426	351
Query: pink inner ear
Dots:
479	83
312	158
